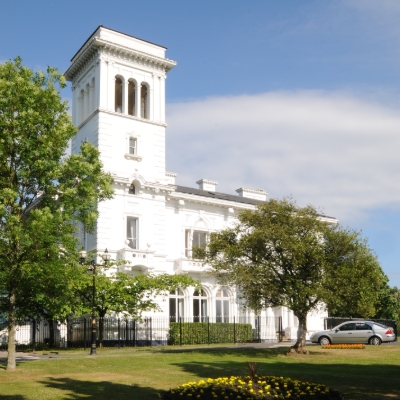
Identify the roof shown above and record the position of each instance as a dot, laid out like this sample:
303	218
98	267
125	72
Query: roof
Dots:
217	195
122	33
225	196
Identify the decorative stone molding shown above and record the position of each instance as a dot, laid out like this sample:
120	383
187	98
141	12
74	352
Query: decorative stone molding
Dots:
133	157
97	46
185	265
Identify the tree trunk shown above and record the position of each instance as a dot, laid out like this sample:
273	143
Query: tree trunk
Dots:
300	345
11	364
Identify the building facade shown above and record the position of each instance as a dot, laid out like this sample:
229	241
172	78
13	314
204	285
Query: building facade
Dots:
118	104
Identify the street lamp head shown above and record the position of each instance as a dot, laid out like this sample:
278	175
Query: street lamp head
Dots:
106	256
82	255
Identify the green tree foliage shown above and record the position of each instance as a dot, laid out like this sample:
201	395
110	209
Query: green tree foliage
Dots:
282	255
354	276
43	195
133	295
388	305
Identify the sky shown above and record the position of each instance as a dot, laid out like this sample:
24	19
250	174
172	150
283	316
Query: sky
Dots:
299	98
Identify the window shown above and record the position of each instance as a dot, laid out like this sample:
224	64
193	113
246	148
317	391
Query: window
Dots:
362	327
348	327
143	102
118	95
87	101
176	305
199	306
222	306
133	146
131	97
194	239
132	189
132	232
81	106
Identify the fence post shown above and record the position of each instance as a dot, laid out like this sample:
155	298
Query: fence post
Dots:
34	335
69	333
134	332
208	330
84	334
151	331
119	332
234	330
126	332
180	331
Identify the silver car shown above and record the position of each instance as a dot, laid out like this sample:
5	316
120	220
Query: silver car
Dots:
355	332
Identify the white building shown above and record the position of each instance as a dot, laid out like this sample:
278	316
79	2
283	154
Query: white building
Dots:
118	84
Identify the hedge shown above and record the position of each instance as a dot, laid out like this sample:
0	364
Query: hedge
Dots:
204	333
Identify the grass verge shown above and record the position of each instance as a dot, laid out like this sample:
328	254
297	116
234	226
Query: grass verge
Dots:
142	374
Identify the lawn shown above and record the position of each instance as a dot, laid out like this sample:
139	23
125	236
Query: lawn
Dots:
142	374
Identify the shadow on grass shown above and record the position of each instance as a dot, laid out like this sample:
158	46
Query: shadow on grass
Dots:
227	351
101	390
354	381
13	397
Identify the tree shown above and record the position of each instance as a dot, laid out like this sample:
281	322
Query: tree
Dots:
280	255
354	277
43	193
388	305
132	295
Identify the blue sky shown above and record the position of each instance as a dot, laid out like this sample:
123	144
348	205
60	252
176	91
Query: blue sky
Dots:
296	97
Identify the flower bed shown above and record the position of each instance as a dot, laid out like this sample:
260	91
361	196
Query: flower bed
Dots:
344	346
247	388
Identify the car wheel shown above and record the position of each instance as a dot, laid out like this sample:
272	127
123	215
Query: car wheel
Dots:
324	340
375	341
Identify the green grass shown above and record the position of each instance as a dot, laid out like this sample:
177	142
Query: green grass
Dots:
142	374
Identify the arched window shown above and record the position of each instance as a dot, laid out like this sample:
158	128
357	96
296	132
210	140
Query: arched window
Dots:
131	97
118	95
199	305
81	106
87	101
143	102
222	306
92	87
132	189
176	305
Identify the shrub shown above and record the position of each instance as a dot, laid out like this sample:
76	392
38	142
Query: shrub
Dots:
246	388
204	332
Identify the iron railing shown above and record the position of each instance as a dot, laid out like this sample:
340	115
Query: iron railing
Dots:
75	333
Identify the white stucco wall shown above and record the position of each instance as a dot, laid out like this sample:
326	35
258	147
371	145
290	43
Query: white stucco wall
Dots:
164	214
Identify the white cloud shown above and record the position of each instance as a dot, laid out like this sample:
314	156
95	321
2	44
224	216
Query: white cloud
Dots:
333	150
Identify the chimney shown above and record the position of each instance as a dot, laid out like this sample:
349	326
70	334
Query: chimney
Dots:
256	194
206	184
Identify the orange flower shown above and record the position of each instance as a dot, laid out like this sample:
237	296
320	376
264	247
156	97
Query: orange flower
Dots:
344	346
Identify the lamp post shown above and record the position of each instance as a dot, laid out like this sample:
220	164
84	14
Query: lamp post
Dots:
92	267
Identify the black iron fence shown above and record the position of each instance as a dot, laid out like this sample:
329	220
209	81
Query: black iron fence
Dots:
152	331
331	322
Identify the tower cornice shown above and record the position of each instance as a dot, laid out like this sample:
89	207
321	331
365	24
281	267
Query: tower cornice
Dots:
98	48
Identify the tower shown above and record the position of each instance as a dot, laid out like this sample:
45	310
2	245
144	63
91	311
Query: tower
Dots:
118	104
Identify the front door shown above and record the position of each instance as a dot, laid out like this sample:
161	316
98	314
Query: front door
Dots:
344	334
